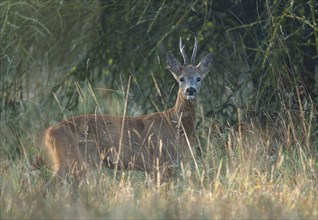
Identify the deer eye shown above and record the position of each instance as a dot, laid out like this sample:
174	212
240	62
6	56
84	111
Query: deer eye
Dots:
181	79
199	79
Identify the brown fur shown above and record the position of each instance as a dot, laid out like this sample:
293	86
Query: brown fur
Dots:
93	140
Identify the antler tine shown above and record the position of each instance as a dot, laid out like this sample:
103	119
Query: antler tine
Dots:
185	58
194	53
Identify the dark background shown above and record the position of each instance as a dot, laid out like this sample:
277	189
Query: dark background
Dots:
56	56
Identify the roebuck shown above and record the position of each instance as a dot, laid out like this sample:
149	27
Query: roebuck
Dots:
154	142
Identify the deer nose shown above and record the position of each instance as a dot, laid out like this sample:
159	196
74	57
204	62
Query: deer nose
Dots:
191	91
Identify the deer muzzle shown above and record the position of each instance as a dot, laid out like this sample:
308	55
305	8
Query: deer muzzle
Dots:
191	93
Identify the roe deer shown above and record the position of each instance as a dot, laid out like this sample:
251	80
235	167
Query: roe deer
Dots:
150	142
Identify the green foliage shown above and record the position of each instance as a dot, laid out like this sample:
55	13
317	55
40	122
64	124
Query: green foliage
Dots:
267	47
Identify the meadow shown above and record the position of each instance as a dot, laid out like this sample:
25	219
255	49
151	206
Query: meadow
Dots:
246	171
256	149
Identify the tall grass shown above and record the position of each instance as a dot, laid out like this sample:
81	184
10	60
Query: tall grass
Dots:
263	166
248	171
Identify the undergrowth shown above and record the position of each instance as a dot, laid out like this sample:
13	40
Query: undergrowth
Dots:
64	58
244	171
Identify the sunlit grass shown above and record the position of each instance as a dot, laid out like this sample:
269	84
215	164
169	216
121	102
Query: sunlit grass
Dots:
241	174
241	171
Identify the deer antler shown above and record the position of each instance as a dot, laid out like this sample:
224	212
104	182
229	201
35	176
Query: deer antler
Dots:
194	53
185	58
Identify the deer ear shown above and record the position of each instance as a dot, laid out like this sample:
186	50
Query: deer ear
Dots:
205	65
173	63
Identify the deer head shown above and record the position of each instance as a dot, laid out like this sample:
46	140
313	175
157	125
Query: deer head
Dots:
189	76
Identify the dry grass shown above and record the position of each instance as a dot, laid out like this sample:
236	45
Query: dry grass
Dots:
241	173
248	171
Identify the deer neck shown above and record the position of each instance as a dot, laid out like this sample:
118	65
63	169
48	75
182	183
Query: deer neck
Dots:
185	113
